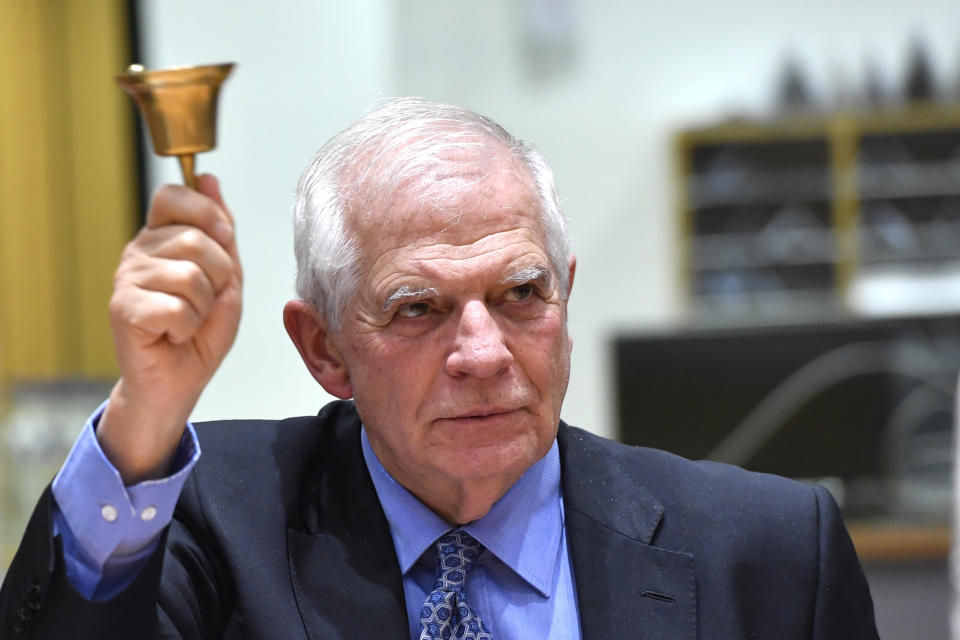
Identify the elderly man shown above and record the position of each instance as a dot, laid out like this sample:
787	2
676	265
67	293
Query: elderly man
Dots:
447	499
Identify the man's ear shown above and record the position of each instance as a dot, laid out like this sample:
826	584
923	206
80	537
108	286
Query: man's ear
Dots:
312	337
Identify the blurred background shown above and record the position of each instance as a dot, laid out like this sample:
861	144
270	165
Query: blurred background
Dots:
764	199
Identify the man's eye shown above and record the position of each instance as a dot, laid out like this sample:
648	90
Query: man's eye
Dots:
520	293
413	310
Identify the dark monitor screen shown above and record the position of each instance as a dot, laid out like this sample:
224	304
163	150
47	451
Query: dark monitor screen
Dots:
802	401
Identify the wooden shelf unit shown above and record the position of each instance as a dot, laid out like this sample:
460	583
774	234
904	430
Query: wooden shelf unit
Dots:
779	217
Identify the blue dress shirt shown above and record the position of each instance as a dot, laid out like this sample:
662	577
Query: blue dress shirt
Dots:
522	586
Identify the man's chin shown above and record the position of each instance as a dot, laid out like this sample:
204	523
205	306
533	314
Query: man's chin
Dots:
501	458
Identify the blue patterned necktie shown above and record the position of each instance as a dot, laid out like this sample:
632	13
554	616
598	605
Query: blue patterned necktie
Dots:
446	613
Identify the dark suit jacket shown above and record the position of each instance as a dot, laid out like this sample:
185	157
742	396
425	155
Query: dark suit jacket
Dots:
279	534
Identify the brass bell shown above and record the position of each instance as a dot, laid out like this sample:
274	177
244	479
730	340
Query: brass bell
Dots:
180	107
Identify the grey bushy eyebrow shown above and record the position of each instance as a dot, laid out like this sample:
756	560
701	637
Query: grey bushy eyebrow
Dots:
406	292
535	273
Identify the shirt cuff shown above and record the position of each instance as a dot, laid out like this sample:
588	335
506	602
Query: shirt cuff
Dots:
107	519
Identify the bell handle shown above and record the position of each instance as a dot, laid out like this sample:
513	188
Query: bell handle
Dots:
187	161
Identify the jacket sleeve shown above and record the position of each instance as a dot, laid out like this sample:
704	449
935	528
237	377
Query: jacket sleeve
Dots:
843	607
166	599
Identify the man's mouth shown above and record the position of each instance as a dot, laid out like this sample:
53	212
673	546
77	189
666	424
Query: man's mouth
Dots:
482	413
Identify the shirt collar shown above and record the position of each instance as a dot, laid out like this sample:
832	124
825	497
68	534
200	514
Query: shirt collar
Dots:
523	529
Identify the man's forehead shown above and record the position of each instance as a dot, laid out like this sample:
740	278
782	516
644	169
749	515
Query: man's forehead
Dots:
490	240
496	245
456	232
445	192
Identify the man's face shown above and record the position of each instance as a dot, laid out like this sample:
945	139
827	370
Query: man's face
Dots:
456	345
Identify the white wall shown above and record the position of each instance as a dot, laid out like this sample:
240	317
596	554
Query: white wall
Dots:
304	70
639	71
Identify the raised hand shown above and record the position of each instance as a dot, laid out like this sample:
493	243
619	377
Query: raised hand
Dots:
176	304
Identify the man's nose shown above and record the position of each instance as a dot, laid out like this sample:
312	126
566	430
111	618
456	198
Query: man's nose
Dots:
479	348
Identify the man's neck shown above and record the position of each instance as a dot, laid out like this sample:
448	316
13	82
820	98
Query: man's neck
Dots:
463	502
456	500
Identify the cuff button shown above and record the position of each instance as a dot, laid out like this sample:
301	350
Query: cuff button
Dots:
109	512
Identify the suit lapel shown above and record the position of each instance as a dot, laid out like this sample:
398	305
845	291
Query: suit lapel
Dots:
625	586
342	561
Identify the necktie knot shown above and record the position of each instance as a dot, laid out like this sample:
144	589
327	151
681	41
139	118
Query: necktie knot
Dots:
457	552
447	613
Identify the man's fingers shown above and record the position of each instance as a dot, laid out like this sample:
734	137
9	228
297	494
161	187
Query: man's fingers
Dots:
150	315
181	278
173	204
208	185
177	242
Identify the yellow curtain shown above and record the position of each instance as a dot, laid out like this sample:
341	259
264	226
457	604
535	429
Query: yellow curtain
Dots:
67	184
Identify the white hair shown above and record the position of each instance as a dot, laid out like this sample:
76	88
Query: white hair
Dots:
402	143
